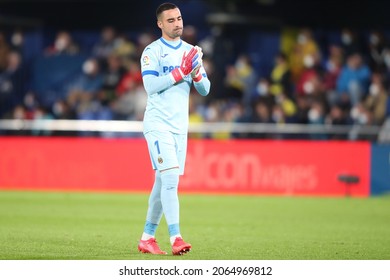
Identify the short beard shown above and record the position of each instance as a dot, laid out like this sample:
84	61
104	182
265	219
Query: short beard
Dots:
176	34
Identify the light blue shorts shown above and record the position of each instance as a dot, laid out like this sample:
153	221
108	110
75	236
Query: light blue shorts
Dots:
167	149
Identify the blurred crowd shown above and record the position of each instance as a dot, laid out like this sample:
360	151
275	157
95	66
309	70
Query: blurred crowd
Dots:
341	83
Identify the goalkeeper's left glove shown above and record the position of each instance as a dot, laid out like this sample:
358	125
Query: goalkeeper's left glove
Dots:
196	75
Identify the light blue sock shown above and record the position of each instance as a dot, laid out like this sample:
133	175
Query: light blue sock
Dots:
155	209
150	229
170	199
174	230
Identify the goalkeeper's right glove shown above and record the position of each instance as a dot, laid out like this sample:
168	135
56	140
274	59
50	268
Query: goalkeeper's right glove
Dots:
188	63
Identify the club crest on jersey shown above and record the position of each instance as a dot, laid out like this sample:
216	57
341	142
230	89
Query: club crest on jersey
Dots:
160	160
145	60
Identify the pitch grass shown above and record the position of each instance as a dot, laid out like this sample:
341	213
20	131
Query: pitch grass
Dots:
106	226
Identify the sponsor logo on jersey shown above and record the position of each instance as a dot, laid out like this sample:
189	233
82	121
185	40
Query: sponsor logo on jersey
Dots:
169	68
160	160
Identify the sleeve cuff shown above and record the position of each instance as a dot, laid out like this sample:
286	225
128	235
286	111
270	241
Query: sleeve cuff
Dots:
198	77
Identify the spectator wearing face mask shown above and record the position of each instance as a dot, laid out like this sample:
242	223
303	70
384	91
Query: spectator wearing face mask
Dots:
316	115
304	46
85	96
350	41
241	80
310	82
332	68
377	99
377	49
85	86
263	91
17	41
360	115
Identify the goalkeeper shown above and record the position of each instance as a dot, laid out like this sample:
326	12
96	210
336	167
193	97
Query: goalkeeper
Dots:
169	67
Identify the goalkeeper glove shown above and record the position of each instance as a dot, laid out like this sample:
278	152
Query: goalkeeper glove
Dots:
188	63
195	74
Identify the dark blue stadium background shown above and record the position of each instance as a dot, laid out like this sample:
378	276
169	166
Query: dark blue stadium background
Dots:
84	14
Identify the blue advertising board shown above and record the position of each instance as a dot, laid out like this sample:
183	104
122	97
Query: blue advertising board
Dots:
380	169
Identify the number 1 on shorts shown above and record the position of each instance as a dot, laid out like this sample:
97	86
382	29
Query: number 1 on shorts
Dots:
157	146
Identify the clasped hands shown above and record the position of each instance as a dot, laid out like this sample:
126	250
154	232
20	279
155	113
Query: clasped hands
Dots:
190	64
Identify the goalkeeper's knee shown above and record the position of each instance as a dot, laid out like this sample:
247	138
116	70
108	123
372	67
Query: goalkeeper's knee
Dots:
170	179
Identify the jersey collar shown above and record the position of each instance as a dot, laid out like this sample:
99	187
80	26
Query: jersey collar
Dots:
170	46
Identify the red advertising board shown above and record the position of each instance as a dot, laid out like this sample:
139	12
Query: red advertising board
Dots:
75	164
233	166
276	167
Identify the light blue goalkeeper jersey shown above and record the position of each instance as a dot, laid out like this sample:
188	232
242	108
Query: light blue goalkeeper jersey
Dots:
167	103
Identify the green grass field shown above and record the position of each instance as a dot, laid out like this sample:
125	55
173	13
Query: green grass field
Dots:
49	225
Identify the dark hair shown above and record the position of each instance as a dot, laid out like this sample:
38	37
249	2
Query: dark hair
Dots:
164	7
